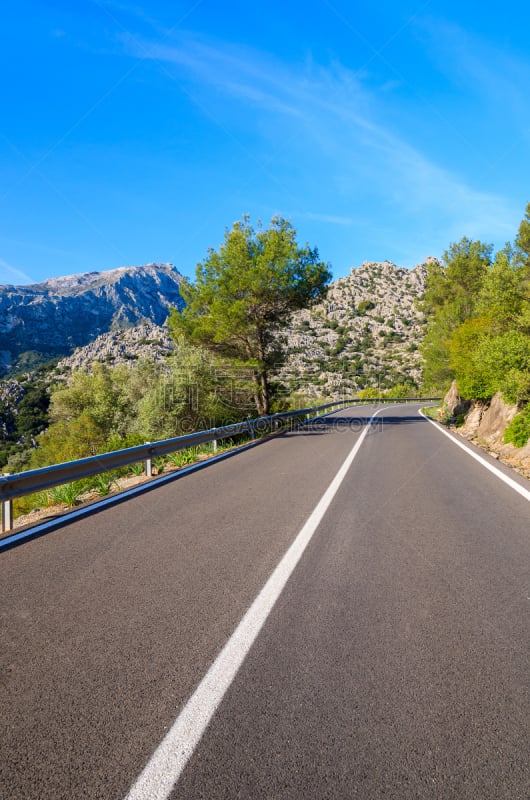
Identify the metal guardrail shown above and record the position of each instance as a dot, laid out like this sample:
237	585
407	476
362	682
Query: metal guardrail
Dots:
36	480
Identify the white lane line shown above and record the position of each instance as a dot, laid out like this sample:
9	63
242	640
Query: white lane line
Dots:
496	471
172	754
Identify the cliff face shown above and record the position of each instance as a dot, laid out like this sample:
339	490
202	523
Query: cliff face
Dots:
52	318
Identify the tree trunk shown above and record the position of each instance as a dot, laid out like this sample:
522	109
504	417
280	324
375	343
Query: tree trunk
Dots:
265	394
261	394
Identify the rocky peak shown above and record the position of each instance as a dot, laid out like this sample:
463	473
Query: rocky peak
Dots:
51	318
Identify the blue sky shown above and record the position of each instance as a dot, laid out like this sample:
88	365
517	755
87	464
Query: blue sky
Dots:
133	132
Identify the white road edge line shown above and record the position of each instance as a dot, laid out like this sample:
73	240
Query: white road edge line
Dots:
174	751
496	471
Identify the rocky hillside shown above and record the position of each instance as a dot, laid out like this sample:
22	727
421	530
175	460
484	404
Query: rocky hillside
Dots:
51	319
125	346
366	333
11	393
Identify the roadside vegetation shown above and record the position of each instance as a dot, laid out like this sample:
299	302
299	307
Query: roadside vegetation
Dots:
109	409
226	342
478	309
74	493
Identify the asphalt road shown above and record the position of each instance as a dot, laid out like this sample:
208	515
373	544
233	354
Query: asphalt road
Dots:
393	665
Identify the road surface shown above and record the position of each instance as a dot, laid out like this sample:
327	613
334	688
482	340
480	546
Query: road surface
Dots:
391	663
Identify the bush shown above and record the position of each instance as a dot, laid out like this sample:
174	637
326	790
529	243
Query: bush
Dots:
518	431
364	306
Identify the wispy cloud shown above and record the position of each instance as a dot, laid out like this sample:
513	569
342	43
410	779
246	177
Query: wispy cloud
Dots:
8	274
341	120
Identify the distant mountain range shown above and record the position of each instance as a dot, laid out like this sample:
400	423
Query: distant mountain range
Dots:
365	333
50	319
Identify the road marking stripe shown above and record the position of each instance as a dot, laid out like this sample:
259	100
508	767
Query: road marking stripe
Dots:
496	471
173	753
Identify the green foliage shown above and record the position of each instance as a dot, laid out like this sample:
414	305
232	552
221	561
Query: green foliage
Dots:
518	431
68	493
244	292
101	395
21	421
522	241
400	390
18	460
182	458
32	411
450	298
136	469
433	412
370	393
199	391
364	306
112	409
102	484
479	320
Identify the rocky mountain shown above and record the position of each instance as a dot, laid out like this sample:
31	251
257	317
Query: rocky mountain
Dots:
365	333
125	346
50	319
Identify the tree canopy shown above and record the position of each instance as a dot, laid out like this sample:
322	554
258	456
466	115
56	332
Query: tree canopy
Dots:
478	306
243	294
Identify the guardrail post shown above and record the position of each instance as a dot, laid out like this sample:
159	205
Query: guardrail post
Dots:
7	515
148	465
251	431
214	445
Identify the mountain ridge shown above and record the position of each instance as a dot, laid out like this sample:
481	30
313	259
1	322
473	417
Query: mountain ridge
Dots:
50	319
366	332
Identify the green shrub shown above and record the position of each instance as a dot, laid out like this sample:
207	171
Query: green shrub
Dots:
102	484
137	468
518	431
364	306
68	493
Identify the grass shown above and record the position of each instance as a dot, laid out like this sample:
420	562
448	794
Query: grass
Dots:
518	431
102	484
431	412
67	493
137	469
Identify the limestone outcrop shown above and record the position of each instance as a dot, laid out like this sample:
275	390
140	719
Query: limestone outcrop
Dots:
485	423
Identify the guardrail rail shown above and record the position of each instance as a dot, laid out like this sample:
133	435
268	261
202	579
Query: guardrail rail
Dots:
37	480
